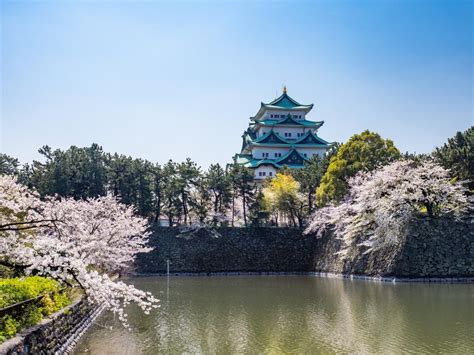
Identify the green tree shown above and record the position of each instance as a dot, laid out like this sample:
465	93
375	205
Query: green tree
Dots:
171	193
243	187
362	152
201	201
142	171
76	172
219	185
8	165
309	177
159	185
258	212
188	174
457	155
282	197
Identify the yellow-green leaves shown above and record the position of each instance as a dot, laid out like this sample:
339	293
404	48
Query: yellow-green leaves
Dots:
362	152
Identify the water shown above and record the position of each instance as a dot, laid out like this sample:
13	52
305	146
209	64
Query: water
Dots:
290	314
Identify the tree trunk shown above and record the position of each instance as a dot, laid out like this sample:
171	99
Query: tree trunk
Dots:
429	209
233	209
216	202
244	202
158	209
185	208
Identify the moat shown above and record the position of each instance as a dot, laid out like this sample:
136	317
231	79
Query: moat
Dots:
290	314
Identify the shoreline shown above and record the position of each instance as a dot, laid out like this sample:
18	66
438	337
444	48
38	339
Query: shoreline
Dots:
384	279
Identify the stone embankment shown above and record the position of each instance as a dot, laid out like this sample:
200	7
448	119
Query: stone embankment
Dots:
56	334
434	248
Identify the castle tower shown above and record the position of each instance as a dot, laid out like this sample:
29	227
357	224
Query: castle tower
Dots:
280	135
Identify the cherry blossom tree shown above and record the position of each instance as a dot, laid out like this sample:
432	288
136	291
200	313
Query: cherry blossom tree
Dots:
380	204
81	243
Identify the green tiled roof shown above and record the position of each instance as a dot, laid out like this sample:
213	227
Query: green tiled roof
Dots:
286	102
311	138
255	163
270	138
283	102
243	158
290	122
292	159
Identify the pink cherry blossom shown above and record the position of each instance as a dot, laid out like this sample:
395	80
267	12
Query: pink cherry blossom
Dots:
380	204
82	243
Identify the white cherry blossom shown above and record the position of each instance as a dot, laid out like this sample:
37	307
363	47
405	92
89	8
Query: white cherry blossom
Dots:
380	204
82	243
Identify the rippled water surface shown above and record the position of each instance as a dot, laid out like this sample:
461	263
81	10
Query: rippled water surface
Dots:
290	314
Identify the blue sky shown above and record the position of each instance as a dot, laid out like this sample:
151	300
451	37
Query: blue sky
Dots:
162	80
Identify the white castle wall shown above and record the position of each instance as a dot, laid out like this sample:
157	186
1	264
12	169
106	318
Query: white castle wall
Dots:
257	152
268	114
312	151
269	171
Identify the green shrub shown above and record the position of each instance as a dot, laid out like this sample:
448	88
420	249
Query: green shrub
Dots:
8	327
15	290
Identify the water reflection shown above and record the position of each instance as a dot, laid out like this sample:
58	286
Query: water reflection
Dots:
291	314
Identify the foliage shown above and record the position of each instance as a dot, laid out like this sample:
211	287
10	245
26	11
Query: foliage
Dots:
282	197
16	290
76	172
309	177
243	187
8	165
219	184
457	155
381	203
362	152
183	193
258	210
77	242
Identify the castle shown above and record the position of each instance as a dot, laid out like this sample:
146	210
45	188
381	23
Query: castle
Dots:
280	135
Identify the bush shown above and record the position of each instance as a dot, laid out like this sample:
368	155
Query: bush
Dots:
16	290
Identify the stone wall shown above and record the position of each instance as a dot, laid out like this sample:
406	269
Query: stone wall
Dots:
52	334
236	250
433	248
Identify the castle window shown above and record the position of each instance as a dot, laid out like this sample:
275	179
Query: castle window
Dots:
265	155
277	155
270	173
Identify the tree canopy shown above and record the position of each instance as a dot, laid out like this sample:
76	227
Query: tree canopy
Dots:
283	197
78	242
382	202
362	152
457	155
